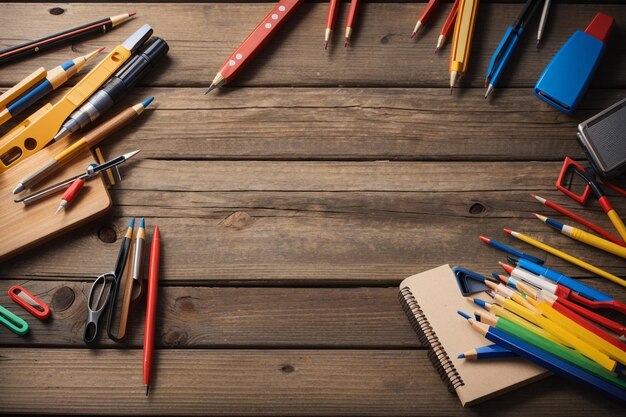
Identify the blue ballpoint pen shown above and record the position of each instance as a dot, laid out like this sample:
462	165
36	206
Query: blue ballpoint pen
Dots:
13	104
507	45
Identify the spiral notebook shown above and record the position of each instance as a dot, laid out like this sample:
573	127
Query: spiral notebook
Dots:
431	300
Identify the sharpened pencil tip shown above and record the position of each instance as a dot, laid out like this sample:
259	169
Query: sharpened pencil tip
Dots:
211	88
413	34
507	231
325	44
538	42
147	102
464	314
101	49
147	389
485	239
60	208
20	187
346	42
142	223
461	356
131	14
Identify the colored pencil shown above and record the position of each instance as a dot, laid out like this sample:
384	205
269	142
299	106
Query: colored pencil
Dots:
151	306
333	8
42	44
448	26
557	350
487	352
462	41
542	22
509	250
567	257
354	7
425	16
253	44
579	219
584	237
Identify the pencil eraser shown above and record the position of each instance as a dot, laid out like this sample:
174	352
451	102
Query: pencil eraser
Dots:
567	76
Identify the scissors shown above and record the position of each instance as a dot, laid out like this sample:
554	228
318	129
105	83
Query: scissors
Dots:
103	292
565	181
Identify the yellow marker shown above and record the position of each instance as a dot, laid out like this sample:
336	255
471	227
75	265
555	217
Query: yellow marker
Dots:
582	333
462	40
39	129
562	334
569	258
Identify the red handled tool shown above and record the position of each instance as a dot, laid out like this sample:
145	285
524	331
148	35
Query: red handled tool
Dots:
564	183
70	194
29	302
448	26
426	15
354	6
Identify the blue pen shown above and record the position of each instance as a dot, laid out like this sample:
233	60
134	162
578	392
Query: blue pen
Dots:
557	277
14	102
510	250
544	359
507	45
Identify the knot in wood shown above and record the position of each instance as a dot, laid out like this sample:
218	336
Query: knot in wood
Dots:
56	11
175	337
287	369
184	304
477	208
107	234
63	299
238	220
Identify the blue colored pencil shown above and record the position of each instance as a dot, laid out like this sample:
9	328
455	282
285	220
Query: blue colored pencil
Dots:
544	359
488	352
510	250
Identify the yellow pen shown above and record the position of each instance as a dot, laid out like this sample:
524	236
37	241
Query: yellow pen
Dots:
559	332
567	257
584	237
462	40
39	129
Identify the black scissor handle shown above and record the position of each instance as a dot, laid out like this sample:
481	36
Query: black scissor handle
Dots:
99	305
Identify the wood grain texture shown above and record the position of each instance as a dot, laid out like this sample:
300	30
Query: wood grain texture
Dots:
205	317
261	382
352	124
202	36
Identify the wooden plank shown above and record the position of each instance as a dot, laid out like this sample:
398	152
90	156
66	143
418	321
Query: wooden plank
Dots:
202	36
352	123
260	382
267	222
216	317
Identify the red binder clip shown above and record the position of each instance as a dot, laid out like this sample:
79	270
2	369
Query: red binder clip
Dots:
29	302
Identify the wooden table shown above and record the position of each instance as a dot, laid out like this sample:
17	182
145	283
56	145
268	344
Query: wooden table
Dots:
292	203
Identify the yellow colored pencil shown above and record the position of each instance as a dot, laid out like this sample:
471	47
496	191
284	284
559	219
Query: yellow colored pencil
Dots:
567	257
559	332
462	40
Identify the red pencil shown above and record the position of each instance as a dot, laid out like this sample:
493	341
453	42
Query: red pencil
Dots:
579	219
153	283
354	5
333	7
448	26
254	42
425	16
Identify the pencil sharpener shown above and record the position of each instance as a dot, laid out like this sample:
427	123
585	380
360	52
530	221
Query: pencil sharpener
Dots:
603	137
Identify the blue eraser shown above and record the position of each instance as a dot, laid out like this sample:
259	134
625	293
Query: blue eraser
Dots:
567	76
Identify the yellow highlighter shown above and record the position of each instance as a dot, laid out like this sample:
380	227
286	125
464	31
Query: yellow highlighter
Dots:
462	40
39	129
560	333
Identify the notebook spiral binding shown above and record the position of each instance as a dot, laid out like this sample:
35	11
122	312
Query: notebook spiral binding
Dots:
425	333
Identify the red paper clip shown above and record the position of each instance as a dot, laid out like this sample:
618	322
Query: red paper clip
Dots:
29	302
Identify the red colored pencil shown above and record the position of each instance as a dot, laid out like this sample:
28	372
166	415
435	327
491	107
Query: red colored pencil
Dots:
333	7
153	283
579	219
354	5
425	16
448	26
254	42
